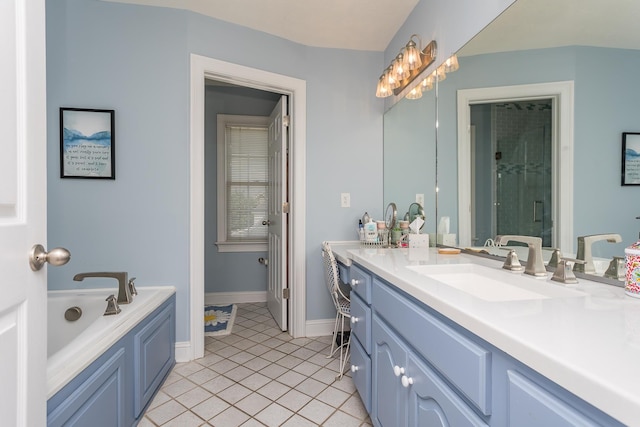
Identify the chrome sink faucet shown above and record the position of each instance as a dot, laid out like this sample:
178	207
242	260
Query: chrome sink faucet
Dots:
124	290
535	265
585	254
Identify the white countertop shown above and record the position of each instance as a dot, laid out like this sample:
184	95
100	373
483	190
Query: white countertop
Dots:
590	344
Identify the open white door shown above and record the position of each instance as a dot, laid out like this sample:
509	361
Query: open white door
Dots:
23	306
277	214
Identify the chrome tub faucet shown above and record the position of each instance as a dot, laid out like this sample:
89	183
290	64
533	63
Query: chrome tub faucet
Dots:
585	254
535	265
124	288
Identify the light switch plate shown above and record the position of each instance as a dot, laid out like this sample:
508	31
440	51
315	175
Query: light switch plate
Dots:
420	199
345	200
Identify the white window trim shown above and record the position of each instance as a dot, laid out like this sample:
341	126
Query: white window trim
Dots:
223	245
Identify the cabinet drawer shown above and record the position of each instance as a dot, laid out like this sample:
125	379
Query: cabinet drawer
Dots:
361	283
461	361
361	322
361	373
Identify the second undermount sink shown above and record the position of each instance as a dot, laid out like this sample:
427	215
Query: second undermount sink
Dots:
493	284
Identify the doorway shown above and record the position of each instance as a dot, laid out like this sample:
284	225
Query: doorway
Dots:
561	134
207	68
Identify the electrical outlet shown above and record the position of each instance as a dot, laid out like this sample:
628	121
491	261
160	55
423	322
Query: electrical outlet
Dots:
345	200
420	199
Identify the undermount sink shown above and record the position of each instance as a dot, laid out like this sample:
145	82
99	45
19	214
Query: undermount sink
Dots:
493	284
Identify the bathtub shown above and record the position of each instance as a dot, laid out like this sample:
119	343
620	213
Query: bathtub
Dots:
72	346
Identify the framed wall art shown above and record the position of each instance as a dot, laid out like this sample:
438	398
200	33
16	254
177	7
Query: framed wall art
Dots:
87	144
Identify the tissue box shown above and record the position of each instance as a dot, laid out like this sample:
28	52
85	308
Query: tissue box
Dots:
448	239
418	240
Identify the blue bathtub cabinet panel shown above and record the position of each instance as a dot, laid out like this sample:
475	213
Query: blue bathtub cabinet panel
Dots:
156	333
153	358
99	401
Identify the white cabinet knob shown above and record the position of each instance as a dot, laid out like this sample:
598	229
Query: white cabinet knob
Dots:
354	320
354	368
406	381
355	282
397	370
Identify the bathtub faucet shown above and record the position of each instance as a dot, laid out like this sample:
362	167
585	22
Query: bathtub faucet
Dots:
124	292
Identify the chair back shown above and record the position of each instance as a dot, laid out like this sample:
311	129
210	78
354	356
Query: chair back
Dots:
332	274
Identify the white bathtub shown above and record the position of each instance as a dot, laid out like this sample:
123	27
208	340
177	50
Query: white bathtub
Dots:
72	346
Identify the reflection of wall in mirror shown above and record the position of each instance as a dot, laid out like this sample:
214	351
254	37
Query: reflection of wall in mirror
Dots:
606	104
409	156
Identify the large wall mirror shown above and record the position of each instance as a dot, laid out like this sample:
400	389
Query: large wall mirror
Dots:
565	74
410	156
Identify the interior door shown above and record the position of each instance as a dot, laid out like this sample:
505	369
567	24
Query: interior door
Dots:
23	306
277	214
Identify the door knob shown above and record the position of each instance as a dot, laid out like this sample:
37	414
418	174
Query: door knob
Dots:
266	222
56	257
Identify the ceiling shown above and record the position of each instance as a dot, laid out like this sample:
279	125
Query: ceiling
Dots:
536	24
354	24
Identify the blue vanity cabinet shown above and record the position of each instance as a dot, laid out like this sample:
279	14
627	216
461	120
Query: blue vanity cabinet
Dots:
361	333
429	371
116	388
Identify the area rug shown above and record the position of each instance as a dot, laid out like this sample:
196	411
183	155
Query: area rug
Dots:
218	319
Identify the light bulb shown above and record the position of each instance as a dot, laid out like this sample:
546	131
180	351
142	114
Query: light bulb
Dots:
382	91
400	70
391	79
412	58
451	64
415	93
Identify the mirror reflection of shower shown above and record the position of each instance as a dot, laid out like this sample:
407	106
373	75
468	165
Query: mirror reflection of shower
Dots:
512	169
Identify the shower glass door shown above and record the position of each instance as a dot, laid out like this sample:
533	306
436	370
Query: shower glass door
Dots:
513	157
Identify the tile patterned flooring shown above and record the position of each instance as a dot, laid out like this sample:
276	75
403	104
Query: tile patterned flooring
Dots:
258	376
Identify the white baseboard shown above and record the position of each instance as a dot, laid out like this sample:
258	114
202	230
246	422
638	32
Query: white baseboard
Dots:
184	353
234	297
322	327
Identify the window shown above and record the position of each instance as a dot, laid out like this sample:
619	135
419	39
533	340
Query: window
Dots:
242	183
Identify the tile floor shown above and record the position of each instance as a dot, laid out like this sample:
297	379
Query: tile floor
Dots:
258	376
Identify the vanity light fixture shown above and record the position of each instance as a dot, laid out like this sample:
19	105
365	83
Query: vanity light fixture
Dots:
439	74
406	66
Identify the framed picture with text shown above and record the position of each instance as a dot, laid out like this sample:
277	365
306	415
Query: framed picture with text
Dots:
87	144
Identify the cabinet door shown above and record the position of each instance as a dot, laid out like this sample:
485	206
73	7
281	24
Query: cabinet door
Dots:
431	402
389	363
98	401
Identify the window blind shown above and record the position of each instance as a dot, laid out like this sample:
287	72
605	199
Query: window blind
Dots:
246	180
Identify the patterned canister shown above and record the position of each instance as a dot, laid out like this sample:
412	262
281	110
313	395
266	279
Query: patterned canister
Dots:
632	282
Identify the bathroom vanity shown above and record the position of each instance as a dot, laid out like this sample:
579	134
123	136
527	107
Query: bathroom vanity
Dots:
456	340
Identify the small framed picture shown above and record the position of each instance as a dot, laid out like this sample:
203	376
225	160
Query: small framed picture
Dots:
87	144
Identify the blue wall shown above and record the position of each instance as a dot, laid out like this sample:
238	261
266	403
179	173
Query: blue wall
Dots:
229	271
606	104
135	59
